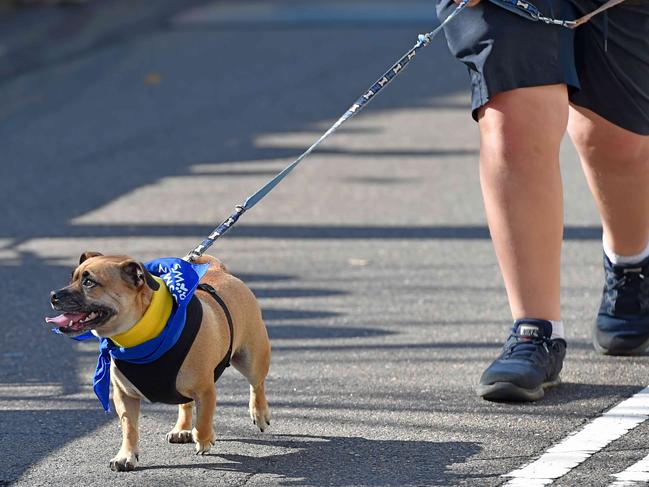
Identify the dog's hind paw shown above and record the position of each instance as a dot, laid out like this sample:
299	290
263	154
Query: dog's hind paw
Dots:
261	419
179	436
124	462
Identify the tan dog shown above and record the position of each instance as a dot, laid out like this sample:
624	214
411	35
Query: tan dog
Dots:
110	294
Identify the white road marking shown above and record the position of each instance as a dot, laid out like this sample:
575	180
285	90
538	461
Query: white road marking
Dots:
577	447
636	474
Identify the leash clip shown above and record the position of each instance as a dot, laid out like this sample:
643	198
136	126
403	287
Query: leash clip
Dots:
423	40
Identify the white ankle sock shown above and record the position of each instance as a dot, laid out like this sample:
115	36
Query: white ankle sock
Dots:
624	259
557	330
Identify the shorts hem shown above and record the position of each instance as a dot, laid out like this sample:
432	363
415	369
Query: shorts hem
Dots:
485	95
636	129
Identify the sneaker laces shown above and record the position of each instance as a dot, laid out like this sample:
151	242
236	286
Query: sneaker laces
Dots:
628	279
628	283
525	345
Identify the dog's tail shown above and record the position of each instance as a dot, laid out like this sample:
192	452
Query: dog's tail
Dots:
213	262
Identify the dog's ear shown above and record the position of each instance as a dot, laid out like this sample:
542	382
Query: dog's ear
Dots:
86	255
136	274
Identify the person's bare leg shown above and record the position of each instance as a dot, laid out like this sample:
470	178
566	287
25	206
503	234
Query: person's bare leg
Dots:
521	132
616	165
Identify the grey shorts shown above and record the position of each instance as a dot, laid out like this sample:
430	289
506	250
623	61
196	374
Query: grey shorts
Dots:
604	63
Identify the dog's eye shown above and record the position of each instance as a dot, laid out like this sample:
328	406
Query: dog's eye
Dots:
88	283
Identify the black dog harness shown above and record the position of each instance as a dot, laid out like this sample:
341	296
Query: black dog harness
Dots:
157	380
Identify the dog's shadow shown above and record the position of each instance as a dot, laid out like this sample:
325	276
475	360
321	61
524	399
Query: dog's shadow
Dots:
341	461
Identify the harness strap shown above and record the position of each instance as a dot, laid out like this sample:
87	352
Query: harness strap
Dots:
223	364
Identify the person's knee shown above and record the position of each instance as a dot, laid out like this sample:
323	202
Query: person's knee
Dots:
600	142
524	126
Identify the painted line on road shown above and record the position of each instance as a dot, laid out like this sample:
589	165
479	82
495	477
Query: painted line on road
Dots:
636	474
580	445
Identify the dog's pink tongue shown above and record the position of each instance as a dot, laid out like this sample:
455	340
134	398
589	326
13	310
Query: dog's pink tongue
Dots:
64	319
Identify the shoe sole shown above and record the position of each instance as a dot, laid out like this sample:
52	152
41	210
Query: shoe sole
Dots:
640	350
508	392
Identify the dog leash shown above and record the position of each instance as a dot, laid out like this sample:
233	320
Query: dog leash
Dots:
531	12
523	8
422	41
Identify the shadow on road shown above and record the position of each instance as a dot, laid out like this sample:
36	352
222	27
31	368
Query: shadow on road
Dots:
310	332
440	345
347	461
81	127
568	392
33	359
293	231
29	436
103	132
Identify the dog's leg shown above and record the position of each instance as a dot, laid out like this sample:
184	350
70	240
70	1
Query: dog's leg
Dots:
254	367
128	412
203	434
259	411
182	431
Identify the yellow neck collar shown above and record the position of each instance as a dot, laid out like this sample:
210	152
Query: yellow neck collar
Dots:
152	322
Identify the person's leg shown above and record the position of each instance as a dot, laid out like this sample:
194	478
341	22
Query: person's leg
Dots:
521	131
616	165
519	73
609	124
520	135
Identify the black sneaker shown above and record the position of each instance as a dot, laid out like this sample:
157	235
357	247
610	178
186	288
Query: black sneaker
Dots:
622	324
529	363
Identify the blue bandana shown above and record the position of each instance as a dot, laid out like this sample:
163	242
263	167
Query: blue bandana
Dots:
181	279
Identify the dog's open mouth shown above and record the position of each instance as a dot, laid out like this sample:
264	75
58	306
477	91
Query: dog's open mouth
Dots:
77	322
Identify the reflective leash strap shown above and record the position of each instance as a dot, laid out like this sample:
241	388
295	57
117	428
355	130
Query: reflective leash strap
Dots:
422	41
531	12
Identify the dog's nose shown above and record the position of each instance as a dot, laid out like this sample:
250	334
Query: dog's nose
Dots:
54	298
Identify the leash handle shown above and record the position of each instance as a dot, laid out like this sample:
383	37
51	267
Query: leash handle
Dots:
587	17
422	41
529	11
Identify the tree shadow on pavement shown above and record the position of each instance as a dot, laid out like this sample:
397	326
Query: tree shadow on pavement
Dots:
310	332
576	392
37	368
28	436
293	231
348	461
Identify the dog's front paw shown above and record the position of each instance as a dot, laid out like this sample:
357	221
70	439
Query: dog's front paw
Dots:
180	436
124	462
203	445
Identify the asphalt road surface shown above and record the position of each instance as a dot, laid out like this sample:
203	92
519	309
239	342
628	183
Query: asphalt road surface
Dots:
135	127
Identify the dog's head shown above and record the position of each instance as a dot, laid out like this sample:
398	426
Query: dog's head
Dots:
107	294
